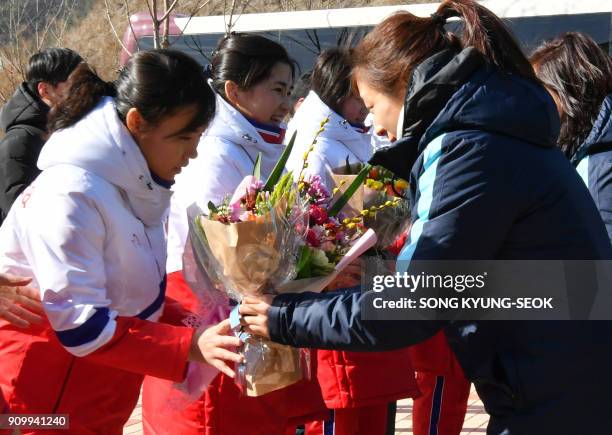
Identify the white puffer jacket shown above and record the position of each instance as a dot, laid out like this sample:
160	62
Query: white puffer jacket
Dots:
338	141
226	154
90	231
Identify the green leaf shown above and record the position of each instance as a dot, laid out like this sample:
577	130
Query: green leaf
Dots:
303	263
280	165
346	195
213	208
257	167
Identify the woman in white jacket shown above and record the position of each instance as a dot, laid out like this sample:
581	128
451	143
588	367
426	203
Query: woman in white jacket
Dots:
90	233
252	78
345	137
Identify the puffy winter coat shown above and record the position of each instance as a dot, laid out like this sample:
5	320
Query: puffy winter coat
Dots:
24	121
593	160
90	232
339	142
488	183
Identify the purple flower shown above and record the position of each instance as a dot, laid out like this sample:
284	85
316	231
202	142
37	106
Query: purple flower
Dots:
316	190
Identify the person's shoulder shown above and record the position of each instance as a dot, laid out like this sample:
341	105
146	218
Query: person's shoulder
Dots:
75	183
218	147
19	142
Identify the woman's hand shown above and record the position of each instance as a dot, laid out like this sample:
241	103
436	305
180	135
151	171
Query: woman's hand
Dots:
215	345
254	313
349	277
19	303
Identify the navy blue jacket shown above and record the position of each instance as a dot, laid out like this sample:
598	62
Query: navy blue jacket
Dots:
593	160
488	182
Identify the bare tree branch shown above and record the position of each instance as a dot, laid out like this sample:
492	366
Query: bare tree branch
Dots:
110	21
155	24
191	15
150	10
129	19
168	10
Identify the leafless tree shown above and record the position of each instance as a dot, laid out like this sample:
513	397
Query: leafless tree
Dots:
28	26
160	12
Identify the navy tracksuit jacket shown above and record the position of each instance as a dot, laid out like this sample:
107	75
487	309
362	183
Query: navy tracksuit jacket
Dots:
487	183
593	160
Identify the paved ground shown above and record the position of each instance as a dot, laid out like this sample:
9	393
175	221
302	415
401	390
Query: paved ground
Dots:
475	420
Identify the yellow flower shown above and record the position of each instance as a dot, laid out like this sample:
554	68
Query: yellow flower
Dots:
377	185
351	226
346	221
401	184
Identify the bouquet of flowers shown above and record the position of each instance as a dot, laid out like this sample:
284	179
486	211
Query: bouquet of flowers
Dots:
381	201
278	236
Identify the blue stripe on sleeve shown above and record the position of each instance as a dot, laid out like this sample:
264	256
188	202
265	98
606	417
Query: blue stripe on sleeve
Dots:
88	331
431	157
583	170
157	303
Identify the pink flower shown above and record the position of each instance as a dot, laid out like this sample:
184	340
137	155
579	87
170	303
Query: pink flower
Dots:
318	215
235	211
316	190
247	189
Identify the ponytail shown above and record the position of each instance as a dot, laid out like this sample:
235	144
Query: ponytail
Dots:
393	49
486	32
85	90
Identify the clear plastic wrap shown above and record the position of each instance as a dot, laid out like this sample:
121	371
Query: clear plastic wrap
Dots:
251	258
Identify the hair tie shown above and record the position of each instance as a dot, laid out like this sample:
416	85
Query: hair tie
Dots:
438	19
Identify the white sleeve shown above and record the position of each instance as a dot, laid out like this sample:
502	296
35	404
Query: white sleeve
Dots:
213	175
64	241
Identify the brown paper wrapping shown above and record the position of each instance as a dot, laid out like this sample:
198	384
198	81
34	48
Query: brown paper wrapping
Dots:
250	253
280	368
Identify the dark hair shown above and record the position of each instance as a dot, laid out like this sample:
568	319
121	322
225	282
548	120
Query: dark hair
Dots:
573	67
331	77
300	90
52	65
393	49
156	82
246	60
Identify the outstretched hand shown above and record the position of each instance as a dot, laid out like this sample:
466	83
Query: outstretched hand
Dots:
19	303
254	313
215	345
